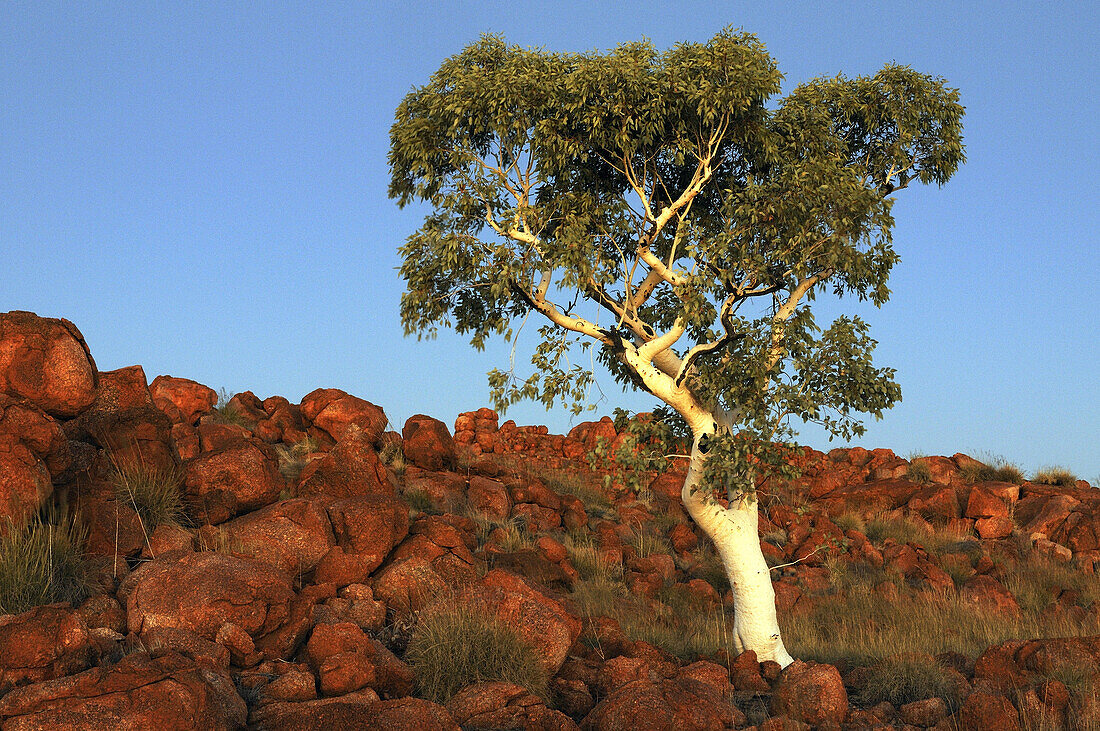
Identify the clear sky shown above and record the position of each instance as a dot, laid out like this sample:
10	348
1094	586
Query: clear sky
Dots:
201	188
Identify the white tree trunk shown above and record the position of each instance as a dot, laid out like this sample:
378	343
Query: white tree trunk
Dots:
734	533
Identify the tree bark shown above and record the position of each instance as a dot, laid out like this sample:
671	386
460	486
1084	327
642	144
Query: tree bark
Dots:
733	531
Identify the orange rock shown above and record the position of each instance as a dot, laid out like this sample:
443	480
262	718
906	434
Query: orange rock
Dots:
41	644
350	468
811	693
46	362
31	442
237	478
330	411
292	535
427	443
168	692
540	620
498	705
669	703
200	592
183	400
982	711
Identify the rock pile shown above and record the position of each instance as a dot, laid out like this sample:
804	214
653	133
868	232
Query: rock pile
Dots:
311	540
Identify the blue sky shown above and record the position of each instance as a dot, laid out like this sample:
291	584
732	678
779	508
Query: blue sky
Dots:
201	188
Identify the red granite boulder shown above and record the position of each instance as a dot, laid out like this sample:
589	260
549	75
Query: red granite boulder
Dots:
239	477
494	706
329	412
672	703
983	710
366	529
184	401
200	592
46	362
33	449
167	692
292	535
427	443
810	692
41	644
351	468
539	620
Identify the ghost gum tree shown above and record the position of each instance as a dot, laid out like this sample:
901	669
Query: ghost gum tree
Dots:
663	209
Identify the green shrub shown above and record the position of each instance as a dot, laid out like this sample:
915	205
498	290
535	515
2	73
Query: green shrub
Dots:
453	647
42	562
1055	476
901	679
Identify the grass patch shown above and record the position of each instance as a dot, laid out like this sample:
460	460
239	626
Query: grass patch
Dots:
1037	581
919	472
225	412
453	647
581	486
710	567
153	493
997	471
901	679
1058	476
861	627
848	520
589	561
294	458
393	456
646	542
42	562
419	502
676	622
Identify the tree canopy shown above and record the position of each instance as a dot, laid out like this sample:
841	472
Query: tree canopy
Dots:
670	210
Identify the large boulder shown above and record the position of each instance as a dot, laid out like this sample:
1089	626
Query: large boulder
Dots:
41	644
350	469
201	592
539	620
46	362
427	443
292	535
33	449
330	411
366	529
657	705
167	692
497	705
810	692
124	421
239	477
183	400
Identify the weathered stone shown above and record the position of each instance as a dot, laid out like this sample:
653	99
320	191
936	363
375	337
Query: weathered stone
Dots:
237	478
200	592
810	692
184	401
292	535
41	644
672	703
427	443
330	411
351	468
167	692
46	362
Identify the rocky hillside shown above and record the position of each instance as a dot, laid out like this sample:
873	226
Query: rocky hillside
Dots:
216	563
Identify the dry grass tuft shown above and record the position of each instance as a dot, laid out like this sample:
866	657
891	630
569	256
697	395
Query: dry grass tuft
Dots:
42	562
453	647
